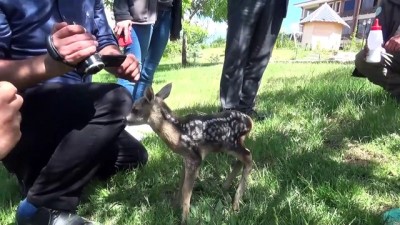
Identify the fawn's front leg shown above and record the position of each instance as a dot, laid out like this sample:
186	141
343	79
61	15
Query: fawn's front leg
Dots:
192	166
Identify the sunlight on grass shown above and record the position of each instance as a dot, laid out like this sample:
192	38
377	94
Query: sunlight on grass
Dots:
328	155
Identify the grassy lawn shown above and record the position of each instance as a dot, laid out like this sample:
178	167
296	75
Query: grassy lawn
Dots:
329	154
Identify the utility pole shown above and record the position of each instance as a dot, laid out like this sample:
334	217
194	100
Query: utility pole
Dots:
357	8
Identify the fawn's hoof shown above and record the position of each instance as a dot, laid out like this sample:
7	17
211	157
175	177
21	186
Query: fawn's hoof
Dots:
235	206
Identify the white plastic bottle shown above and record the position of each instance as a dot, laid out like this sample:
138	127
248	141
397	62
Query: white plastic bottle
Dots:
374	43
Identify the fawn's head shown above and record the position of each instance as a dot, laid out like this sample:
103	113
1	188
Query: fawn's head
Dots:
148	104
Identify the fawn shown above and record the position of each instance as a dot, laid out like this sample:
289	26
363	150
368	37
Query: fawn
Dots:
193	137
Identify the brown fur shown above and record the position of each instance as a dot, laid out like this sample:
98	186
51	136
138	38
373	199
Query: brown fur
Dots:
194	136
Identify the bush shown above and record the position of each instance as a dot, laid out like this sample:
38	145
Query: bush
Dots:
285	41
217	43
194	33
353	44
173	49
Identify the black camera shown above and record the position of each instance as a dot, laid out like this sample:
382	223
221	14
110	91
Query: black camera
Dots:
91	65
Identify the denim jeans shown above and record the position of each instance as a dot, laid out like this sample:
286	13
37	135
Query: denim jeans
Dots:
159	40
141	35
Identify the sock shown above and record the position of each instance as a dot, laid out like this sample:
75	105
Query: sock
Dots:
26	209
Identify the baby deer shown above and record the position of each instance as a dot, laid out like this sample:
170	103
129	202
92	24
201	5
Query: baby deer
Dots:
194	136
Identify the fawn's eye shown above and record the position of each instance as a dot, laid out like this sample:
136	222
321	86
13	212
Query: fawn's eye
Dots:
135	110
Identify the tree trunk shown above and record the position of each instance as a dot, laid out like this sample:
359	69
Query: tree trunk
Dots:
184	50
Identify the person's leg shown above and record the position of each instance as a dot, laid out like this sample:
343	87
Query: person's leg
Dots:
385	74
144	33
135	49
242	19
260	50
125	154
65	134
159	40
140	35
375	72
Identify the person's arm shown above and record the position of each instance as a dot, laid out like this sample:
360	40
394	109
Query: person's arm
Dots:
128	70
10	118
121	10
123	18
108	46
72	42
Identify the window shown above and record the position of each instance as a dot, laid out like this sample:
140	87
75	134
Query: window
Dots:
337	7
349	5
368	4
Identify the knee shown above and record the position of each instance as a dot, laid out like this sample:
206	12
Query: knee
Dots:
373	71
117	101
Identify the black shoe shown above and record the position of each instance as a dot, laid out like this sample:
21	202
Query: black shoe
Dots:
256	116
53	217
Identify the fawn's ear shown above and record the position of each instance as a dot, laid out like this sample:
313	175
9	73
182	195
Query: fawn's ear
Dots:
149	93
165	91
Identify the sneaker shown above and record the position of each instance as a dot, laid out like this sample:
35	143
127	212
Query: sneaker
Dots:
45	216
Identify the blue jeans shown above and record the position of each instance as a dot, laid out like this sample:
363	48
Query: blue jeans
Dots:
141	35
159	40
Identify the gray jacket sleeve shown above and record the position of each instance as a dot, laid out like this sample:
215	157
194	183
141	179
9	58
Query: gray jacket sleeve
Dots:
139	11
121	10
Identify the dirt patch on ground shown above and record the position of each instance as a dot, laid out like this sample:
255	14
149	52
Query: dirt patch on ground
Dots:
359	155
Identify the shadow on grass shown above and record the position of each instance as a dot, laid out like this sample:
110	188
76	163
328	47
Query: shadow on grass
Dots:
176	66
323	179
295	177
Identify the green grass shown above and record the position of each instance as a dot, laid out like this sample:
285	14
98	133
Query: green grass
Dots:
328	155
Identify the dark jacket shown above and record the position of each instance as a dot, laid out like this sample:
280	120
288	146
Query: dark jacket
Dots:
176	24
139	11
389	18
23	30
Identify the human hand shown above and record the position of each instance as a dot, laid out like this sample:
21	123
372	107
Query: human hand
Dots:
129	69
73	43
125	27
393	44
10	117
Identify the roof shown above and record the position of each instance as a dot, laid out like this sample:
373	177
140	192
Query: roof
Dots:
324	14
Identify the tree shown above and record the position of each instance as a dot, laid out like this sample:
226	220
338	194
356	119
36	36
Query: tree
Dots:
108	3
214	9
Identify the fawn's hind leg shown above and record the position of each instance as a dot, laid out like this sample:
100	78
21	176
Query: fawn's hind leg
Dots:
192	166
244	155
237	165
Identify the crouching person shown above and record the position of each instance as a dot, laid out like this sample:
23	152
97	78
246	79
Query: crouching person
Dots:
72	131
387	73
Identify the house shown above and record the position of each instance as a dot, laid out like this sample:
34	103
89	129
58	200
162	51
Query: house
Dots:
322	29
358	14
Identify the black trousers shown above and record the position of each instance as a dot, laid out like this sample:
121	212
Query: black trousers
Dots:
253	27
70	134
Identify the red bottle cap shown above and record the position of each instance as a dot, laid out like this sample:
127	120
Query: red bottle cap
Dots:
376	25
